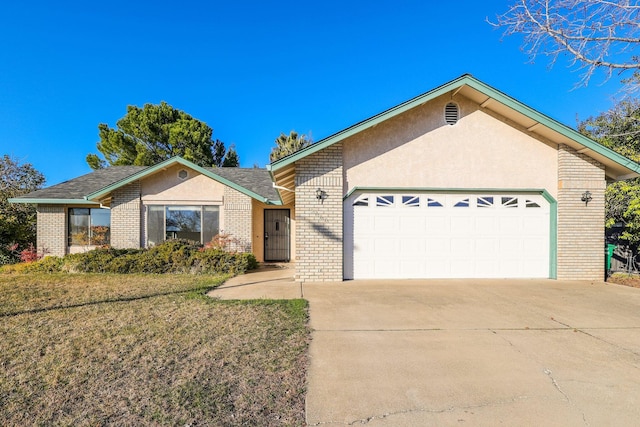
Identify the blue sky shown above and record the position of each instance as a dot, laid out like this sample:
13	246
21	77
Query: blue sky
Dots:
251	69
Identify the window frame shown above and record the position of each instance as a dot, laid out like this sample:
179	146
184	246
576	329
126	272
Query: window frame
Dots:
206	234
90	228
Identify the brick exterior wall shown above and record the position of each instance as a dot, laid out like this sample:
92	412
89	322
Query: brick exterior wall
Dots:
319	222
126	217
237	219
580	227
51	230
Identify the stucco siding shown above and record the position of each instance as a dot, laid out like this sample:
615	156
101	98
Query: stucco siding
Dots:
319	221
580	225
51	231
167	188
418	149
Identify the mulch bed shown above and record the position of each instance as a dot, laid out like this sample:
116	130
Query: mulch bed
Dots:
625	279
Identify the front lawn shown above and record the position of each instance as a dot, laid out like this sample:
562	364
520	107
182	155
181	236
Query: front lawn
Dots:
81	349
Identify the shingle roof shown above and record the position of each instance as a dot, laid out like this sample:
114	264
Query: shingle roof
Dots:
79	187
255	180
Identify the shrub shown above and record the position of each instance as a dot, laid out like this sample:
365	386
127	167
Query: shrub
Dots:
7	258
50	264
9	254
173	256
94	261
29	254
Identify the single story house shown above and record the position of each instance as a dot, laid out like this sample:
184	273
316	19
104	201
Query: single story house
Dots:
460	182
139	206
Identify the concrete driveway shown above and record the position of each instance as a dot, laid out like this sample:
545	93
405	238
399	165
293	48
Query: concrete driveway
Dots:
473	352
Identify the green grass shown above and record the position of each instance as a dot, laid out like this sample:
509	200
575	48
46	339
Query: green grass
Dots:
147	350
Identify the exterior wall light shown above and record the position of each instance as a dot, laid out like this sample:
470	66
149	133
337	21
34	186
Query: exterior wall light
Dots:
586	197
320	195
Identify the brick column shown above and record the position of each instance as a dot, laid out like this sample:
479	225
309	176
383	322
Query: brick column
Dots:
237	218
319	222
51	230
580	227
126	217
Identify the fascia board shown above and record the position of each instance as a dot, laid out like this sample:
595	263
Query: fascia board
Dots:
273	181
52	201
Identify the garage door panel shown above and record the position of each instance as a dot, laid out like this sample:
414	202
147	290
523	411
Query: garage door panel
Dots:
486	268
386	246
486	247
510	247
511	268
510	225
436	224
462	247
485	225
462	267
385	223
413	224
437	247
534	222
413	269
413	245
411	236
462	225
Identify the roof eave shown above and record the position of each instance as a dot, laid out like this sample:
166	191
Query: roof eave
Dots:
52	201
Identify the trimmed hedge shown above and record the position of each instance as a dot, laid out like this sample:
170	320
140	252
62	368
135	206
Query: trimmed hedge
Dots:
172	256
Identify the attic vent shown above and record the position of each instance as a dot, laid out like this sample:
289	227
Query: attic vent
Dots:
451	113
183	174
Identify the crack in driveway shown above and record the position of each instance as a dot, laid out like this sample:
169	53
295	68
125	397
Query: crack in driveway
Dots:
424	410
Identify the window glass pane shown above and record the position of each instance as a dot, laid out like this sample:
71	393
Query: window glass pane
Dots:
210	223
100	226
361	201
155	225
384	201
183	222
484	202
413	201
78	226
433	203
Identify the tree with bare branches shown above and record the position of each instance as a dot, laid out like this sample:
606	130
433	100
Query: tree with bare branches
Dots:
596	34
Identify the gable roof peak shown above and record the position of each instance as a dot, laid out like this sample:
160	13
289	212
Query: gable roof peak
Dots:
617	166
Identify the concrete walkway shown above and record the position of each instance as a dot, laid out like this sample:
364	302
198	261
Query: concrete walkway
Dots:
271	282
467	352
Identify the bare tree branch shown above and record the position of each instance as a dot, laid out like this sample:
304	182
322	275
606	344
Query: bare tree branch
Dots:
597	34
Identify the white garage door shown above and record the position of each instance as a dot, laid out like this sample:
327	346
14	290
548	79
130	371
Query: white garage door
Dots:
446	236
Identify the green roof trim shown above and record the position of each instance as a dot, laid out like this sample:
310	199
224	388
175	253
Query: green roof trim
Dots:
53	201
178	160
473	83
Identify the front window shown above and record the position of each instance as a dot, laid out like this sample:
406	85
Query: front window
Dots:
89	227
197	223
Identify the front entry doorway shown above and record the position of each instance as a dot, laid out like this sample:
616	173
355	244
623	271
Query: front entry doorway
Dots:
277	235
